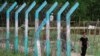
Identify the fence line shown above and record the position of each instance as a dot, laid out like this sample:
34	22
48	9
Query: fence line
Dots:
38	28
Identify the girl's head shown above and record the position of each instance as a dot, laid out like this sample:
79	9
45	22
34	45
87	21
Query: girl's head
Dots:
84	34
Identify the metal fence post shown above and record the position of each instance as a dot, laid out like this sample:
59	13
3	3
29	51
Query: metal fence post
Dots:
68	18
58	53
37	42
26	27
16	26
8	24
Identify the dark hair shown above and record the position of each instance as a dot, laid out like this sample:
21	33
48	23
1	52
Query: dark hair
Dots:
83	32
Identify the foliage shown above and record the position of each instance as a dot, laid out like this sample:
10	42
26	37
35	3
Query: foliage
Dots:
88	9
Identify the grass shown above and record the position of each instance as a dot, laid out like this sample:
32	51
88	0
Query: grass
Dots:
94	42
10	53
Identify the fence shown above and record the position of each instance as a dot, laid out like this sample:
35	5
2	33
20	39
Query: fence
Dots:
37	49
